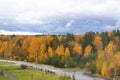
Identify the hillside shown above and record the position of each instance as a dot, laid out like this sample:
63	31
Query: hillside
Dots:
96	52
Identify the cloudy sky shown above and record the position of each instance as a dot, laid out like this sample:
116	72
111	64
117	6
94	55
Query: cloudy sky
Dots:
59	16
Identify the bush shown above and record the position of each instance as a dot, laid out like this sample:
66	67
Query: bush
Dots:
71	63
117	69
1	72
93	69
31	59
16	58
83	61
23	66
65	77
54	60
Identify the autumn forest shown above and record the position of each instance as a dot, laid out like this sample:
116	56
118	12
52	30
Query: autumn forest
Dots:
96	52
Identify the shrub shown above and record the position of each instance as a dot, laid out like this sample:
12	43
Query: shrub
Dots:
117	69
31	59
65	77
93	69
1	72
15	57
23	66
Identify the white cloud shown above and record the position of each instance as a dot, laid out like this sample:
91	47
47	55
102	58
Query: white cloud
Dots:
41	11
18	33
35	11
5	23
69	24
61	29
27	20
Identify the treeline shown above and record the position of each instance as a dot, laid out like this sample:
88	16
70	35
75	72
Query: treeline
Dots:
97	52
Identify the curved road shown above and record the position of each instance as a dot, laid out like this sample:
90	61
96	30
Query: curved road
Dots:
79	75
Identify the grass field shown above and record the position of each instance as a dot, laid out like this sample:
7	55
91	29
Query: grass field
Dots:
10	68
4	78
5	63
33	75
29	73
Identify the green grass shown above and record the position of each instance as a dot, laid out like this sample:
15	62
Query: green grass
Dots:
3	78
33	75
10	68
29	74
5	63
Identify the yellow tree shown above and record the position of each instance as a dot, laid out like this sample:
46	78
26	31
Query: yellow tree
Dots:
48	39
97	42
109	51
60	50
6	50
104	70
67	53
34	48
87	50
60	38
77	37
100	59
77	48
3	46
112	65
110	48
50	52
1	49
25	46
9	49
117	58
43	49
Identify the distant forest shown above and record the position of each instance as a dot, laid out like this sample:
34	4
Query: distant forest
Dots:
96	52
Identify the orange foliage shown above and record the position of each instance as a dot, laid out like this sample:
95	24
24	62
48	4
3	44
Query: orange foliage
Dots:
77	48
50	52
97	42
110	48
60	50
67	53
104	70
100	59
39	48
87	50
117	58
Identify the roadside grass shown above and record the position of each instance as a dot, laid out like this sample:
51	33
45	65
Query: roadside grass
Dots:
7	68
10	68
3	78
30	74
33	75
5	63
